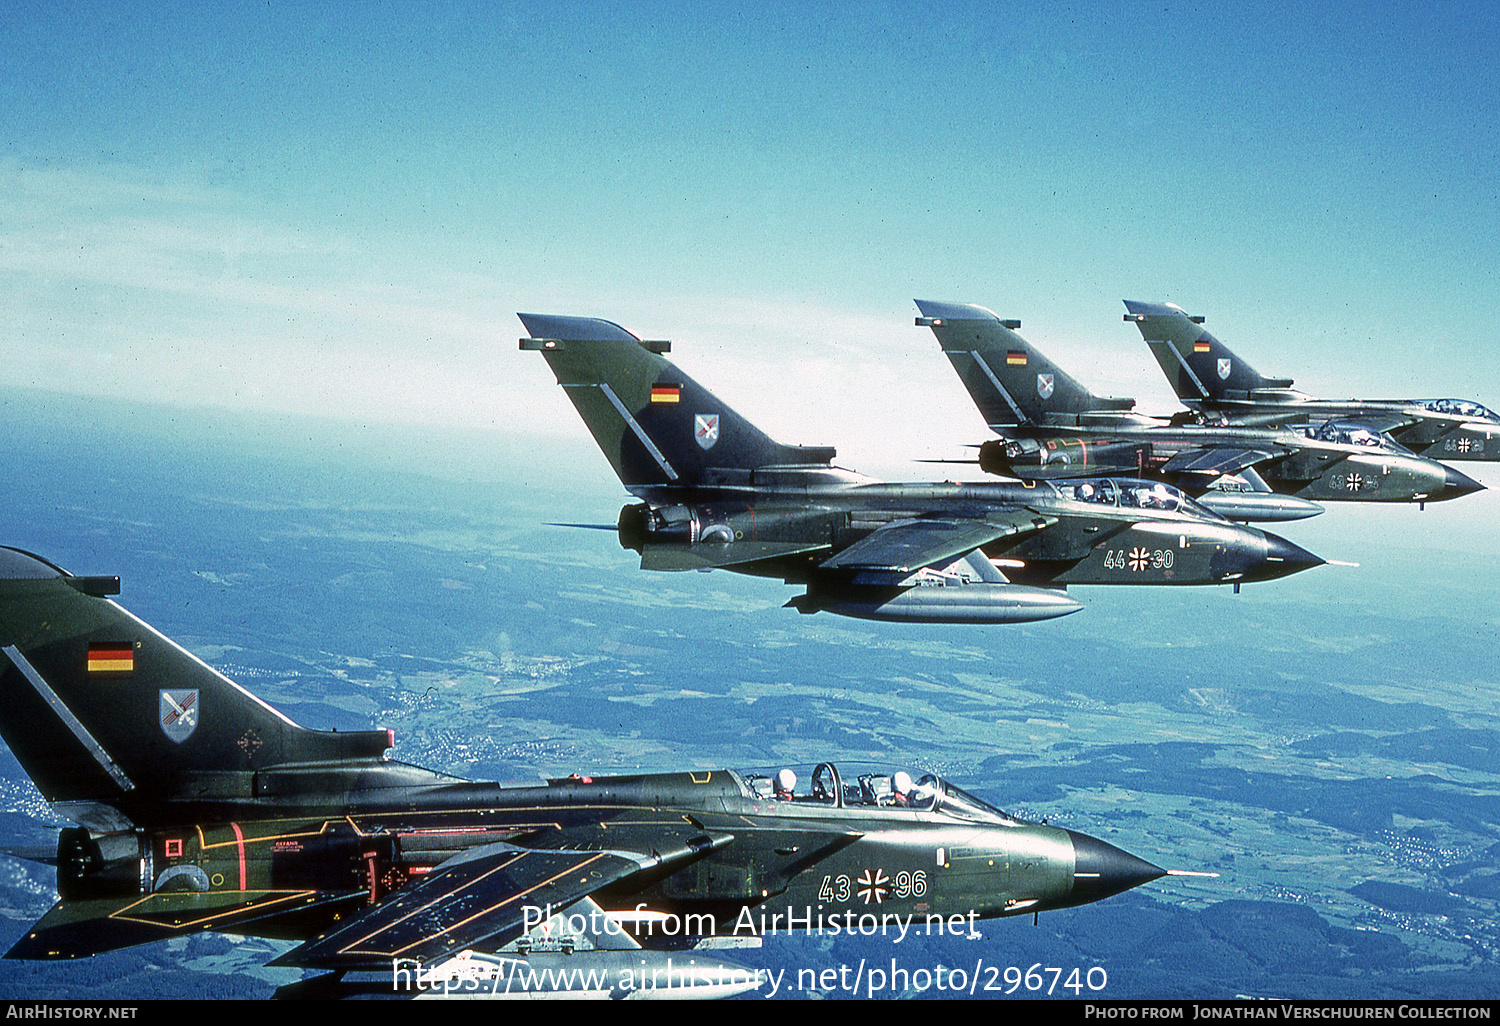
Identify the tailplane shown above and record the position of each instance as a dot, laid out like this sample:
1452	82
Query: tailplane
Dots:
1008	378
660	429
1198	366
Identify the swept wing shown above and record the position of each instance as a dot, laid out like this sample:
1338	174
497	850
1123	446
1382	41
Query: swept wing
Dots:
909	545
479	899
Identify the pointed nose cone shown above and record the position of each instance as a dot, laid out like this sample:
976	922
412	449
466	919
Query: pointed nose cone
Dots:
1455	483
1284	559
1101	869
1256	555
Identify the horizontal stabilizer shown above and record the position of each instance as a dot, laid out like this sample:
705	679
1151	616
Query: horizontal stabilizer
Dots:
79	929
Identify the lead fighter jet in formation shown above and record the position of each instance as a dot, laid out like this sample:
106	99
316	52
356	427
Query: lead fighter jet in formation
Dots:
201	808
1211	379
1052	426
719	493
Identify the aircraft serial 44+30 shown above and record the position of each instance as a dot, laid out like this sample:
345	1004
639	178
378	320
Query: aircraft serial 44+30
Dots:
201	808
720	493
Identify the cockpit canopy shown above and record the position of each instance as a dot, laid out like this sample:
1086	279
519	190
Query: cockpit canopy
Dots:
1132	494
1342	432
869	788
1460	408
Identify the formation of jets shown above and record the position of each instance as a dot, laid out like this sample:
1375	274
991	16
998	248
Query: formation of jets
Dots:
1097	493
1248	468
201	808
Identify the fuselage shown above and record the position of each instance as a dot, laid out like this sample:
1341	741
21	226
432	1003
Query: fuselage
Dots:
1445	429
1329	461
1101	531
832	854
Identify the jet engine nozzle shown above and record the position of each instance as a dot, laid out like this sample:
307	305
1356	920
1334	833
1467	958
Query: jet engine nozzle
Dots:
108	866
641	523
632	526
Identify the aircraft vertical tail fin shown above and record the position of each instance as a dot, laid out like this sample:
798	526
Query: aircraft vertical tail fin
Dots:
658	427
1009	379
100	708
1198	366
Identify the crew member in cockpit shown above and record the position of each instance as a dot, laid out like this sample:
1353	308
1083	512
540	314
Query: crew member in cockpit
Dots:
786	785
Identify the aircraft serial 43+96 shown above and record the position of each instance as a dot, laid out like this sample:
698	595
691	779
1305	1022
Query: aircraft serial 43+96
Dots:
1052	426
1224	388
201	808
719	493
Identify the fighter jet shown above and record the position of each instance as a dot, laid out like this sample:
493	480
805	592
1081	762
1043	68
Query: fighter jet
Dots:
721	494
1053	426
200	808
1224	388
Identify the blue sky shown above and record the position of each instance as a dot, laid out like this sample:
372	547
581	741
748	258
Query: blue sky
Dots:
338	208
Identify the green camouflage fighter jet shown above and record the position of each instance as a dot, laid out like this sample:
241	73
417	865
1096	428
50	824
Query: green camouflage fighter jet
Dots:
720	493
201	808
1052	426
1225	389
